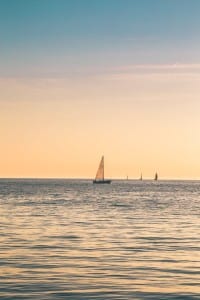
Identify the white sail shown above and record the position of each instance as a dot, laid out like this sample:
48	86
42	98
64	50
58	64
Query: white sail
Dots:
100	171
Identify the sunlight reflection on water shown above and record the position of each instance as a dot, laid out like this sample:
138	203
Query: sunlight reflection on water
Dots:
63	239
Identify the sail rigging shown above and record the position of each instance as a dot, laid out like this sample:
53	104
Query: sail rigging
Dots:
100	173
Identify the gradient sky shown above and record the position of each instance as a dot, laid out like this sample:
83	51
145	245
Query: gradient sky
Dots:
82	78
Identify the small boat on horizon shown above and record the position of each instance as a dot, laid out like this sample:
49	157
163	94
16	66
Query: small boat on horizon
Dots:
156	177
141	177
100	174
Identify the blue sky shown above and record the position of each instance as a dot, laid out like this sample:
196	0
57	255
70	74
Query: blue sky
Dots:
48	37
125	71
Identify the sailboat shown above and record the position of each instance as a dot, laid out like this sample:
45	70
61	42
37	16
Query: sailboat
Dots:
156	177
141	177
100	173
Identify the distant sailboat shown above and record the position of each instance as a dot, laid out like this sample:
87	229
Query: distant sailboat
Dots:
141	177
156	177
100	173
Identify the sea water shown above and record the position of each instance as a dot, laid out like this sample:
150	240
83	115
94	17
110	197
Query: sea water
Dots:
70	239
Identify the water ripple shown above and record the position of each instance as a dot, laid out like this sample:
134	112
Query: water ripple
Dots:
70	239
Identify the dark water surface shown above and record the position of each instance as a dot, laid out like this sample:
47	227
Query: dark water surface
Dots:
70	239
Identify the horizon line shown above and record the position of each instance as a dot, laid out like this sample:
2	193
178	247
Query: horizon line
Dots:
113	179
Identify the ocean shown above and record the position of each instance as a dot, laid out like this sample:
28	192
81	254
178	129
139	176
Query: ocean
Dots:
70	239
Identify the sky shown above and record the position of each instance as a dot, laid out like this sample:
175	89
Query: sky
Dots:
81	79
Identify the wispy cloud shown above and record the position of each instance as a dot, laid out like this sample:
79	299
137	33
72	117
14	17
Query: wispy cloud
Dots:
174	66
149	70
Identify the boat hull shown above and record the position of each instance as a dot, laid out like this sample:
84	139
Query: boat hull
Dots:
106	181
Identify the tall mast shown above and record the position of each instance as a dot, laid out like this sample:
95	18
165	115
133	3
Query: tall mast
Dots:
103	165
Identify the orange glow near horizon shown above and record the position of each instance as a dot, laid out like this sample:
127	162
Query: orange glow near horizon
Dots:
61	127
